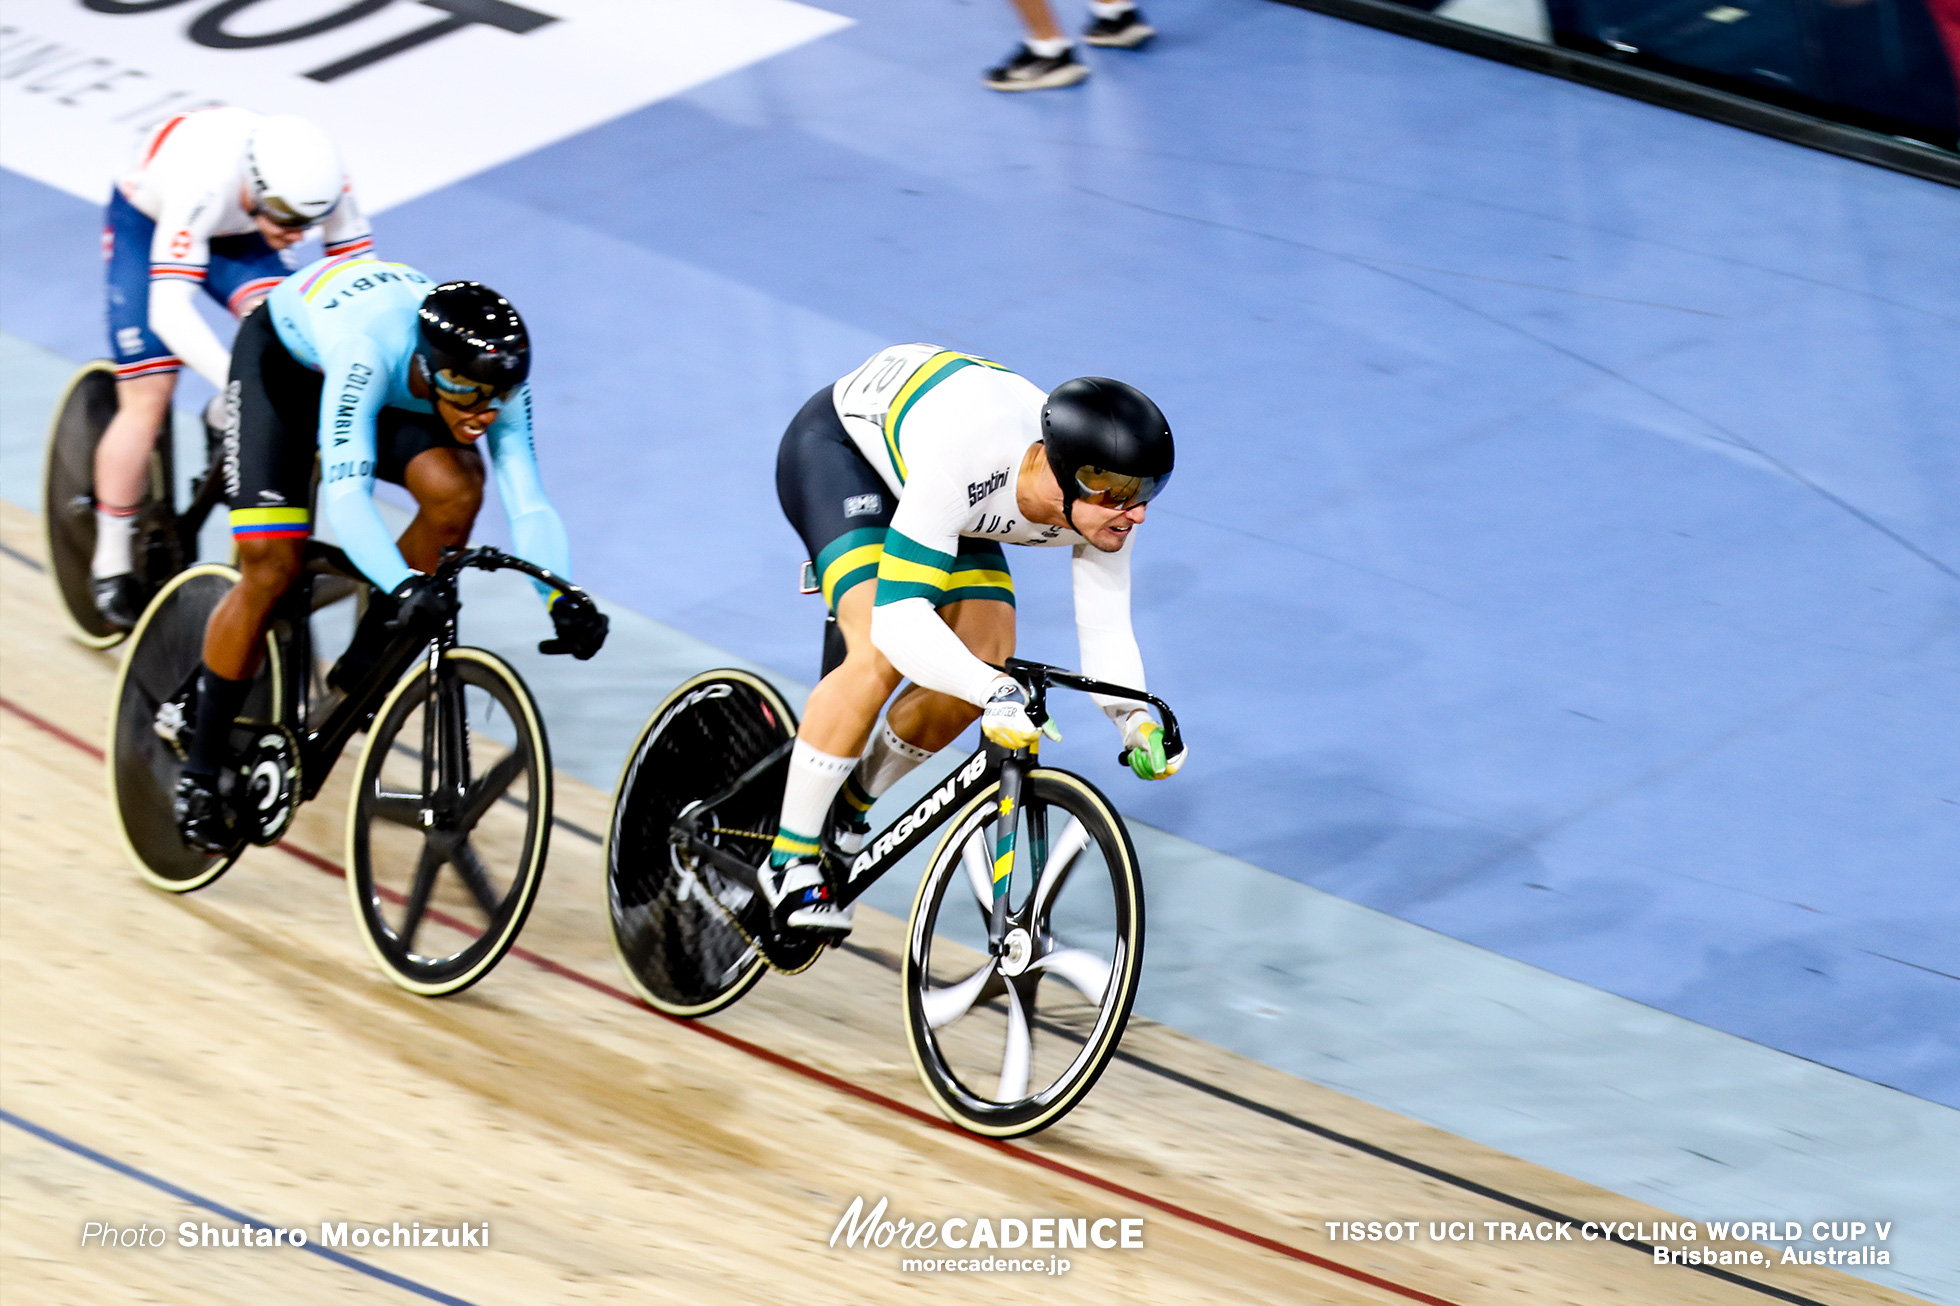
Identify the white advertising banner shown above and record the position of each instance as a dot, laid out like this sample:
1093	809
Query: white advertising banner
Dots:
417	93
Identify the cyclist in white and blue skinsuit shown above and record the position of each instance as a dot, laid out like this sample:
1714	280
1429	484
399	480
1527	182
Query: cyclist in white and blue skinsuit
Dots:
383	375
215	201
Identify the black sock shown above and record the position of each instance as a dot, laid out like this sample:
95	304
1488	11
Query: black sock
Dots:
218	703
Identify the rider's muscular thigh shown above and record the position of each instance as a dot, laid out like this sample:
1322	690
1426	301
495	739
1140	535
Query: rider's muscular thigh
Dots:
841	709
448	489
234	641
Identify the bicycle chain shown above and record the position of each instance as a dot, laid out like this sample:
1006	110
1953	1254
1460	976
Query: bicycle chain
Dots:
734	918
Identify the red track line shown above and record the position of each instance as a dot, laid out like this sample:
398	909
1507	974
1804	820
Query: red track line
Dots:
42	723
844	1086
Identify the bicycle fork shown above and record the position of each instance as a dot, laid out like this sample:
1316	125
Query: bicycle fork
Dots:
445	745
1013	777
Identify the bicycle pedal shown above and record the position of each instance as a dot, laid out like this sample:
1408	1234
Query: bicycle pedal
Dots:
784	952
171	724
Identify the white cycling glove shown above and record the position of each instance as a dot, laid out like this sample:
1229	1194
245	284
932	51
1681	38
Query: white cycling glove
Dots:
1005	719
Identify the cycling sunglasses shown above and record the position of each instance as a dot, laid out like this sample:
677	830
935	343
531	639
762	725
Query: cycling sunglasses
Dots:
468	395
279	213
1115	490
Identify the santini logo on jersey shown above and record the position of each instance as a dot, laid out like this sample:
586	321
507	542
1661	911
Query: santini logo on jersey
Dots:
978	490
862	505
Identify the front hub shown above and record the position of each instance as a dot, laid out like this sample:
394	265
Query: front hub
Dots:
1016	951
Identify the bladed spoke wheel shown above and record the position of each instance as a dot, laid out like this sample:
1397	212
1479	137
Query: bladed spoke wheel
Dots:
158	679
445	853
673	915
1010	1035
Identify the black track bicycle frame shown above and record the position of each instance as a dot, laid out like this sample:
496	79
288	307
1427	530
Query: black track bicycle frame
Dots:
889	846
324	731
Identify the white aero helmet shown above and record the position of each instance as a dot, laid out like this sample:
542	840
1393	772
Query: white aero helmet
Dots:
293	171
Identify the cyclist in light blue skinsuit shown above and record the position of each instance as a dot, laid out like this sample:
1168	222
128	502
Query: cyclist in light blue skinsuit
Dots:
384	376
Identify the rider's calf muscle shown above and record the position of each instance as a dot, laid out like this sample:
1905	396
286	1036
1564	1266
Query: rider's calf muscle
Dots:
930	720
844	705
122	455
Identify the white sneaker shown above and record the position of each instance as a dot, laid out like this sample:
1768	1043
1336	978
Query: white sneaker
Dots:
799	899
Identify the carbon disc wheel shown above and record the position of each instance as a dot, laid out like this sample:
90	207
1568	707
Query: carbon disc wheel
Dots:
672	915
145	755
68	505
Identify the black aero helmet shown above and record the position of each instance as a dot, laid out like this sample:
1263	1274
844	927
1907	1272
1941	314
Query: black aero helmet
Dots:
472	333
1106	443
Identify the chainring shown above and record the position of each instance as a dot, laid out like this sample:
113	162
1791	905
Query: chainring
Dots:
268	792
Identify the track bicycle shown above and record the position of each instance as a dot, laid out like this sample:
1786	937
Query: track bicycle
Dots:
449	819
165	538
1034	879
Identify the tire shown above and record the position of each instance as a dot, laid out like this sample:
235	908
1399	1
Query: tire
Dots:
68	505
496	852
165	651
967	1018
673	918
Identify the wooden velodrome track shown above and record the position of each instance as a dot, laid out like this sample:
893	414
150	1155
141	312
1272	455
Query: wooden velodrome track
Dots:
238	1048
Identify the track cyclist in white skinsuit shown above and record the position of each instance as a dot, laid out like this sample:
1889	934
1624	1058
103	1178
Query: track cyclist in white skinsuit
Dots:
904	479
212	201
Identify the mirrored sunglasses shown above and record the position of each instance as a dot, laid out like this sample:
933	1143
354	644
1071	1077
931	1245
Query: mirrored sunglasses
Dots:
1116	490
468	395
277	211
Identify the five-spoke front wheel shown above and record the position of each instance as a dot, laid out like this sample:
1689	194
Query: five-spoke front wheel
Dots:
1010	1027
449	823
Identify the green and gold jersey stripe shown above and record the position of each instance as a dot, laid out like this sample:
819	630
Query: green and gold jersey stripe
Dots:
910	570
931	372
849	561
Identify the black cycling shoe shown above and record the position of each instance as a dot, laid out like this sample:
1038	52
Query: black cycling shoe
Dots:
204	818
1126	31
120	599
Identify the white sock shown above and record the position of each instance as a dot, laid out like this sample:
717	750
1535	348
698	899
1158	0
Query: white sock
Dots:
814	778
1110	8
1049	49
889	760
113	528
